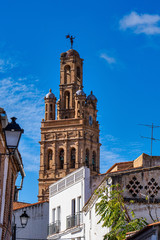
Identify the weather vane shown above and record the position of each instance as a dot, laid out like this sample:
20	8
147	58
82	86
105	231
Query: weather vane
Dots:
71	39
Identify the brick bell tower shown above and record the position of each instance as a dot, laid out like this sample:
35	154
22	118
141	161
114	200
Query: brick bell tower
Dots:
72	140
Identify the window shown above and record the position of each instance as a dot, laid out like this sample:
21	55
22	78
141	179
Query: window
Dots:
67	74
79	204
50	107
73	157
50	115
94	161
61	158
87	158
73	207
78	72
59	213
67	100
49	159
46	107
78	104
53	215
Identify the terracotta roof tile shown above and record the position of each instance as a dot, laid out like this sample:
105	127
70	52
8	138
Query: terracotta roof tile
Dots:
19	205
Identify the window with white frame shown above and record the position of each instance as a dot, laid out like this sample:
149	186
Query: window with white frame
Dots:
53	215
73	207
59	213
79	204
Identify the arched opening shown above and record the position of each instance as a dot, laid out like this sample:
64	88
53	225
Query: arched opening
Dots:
67	100
49	159
46	107
78	72
73	157
78	105
51	116
67	74
87	158
94	160
50	107
61	159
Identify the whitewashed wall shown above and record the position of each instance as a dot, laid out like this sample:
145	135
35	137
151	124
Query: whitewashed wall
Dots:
73	186
37	223
93	230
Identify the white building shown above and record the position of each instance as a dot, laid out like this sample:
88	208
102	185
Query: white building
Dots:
140	180
93	230
37	225
67	197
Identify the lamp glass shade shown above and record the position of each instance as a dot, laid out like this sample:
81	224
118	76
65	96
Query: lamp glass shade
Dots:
12	138
12	134
24	219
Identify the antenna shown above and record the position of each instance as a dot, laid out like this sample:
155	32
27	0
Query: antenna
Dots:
151	138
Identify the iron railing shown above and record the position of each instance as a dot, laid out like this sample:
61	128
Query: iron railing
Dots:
74	220
54	227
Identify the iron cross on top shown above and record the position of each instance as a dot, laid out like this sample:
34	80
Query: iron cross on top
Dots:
71	39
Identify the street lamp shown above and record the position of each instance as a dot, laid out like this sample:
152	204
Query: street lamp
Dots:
12	134
24	220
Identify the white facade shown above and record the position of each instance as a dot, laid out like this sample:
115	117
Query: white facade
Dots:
37	223
93	230
67	197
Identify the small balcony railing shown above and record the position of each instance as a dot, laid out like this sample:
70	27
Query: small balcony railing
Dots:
74	220
54	227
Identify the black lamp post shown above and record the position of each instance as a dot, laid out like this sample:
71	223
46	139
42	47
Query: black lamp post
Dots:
12	134
24	220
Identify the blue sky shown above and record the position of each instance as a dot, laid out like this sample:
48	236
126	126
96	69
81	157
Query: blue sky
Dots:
120	44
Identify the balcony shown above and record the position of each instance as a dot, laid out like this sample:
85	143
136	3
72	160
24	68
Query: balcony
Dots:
54	227
74	220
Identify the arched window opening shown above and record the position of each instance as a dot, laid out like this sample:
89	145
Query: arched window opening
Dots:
50	107
46	107
79	104
49	159
61	158
51	116
94	161
78	72
67	74
67	100
87	158
73	157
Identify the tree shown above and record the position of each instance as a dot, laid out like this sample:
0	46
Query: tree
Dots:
115	215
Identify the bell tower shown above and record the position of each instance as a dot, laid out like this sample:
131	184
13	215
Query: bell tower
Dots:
71	67
72	140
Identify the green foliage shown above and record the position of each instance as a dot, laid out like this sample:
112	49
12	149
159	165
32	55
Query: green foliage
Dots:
115	215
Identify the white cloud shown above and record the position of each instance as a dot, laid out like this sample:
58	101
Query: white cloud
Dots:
109	157
6	64
141	23
110	138
22	99
109	60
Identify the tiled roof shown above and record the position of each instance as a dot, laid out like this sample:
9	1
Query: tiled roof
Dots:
19	205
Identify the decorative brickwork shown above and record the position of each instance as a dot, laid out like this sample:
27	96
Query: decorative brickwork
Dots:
71	141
